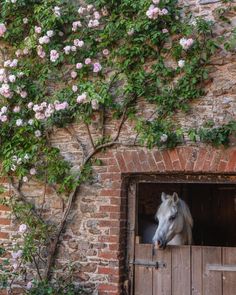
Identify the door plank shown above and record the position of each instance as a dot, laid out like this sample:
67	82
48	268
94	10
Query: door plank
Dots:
162	276
181	268
143	275
229	278
196	271
212	280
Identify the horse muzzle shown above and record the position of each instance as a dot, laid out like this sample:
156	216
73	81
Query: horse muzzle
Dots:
159	244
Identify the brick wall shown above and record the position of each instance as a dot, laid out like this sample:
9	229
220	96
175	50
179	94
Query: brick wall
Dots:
94	239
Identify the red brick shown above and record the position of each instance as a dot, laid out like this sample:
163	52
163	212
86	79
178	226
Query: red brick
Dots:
109	255
107	208
100	215
120	215
222	166
173	155
110	176
157	156
115	231
131	167
182	157
206	166
191	158
113	168
109	293
161	167
4	235
107	287
115	201
106	154
112	161
110	192
116	185
176	165
4	208
232	161
145	166
142	156
109	223
152	162
108	239
121	162
199	163
114	279
5	221
167	161
114	247
108	270
136	161
216	157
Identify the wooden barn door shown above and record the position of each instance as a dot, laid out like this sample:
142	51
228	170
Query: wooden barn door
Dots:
184	270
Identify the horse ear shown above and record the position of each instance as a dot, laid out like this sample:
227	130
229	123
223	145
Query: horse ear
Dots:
164	196
175	197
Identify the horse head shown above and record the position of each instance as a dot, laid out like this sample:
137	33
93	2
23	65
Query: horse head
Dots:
174	222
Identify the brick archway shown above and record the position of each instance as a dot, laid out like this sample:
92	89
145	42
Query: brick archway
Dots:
118	163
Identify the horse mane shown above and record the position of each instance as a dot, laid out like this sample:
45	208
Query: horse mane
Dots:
188	219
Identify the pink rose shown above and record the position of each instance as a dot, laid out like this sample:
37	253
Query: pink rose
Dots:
3	29
97	67
23	94
16	109
74	88
33	171
78	43
54	55
67	49
73	74
29	285
79	65
88	61
82	98
95	104
105	52
22	228
37	30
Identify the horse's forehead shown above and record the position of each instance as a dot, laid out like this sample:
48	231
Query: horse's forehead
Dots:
167	208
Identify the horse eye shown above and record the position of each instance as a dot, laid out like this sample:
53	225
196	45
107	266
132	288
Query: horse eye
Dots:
172	217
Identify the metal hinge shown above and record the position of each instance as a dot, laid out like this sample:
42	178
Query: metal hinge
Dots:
155	264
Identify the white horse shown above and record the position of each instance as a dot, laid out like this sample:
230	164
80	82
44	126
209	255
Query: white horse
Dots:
175	222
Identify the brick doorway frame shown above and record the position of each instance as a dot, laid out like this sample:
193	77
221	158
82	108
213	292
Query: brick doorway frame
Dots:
132	182
119	165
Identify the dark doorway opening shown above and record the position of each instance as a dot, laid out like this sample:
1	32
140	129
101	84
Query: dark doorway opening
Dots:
212	205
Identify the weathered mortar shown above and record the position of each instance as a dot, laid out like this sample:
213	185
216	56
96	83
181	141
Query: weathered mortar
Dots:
93	236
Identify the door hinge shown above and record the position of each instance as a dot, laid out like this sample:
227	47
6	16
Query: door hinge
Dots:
145	263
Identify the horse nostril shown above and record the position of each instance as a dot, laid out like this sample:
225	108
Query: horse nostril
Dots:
158	242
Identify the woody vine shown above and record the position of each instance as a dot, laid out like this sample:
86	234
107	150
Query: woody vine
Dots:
65	63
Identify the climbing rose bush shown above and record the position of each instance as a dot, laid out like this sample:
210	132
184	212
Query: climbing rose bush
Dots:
64	65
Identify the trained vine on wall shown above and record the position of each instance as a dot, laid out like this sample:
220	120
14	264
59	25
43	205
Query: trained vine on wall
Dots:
61	63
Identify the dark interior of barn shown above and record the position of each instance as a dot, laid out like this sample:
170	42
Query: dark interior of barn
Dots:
212	205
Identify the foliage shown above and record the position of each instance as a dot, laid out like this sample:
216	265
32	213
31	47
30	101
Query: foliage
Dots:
216	135
62	287
69	64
